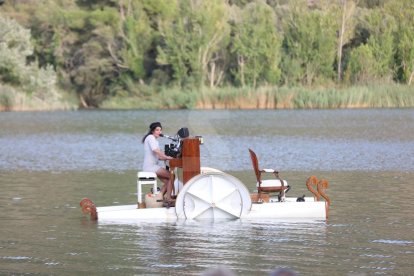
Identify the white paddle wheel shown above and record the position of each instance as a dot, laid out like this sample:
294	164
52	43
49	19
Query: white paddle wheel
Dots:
213	195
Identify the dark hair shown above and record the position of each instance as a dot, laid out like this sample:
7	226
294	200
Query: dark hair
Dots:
152	127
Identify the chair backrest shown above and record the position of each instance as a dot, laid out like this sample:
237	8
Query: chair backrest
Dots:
255	164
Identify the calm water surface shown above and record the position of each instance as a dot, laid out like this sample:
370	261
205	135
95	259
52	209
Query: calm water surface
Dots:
49	161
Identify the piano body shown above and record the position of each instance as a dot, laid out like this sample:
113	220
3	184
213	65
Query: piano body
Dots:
189	161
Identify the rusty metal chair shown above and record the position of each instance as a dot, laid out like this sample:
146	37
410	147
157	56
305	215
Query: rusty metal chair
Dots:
276	185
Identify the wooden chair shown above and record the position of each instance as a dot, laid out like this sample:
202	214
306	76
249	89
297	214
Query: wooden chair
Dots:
276	185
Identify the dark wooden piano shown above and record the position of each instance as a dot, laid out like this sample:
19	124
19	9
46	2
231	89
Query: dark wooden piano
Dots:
189	161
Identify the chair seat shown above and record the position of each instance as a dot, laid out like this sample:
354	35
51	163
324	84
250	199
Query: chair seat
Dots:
272	183
268	185
147	175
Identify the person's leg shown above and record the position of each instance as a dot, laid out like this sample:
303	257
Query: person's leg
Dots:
164	176
164	186
169	189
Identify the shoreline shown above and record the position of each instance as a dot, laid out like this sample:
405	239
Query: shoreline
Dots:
234	98
3	110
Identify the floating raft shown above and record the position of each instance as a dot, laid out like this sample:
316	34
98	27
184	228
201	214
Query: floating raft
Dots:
217	195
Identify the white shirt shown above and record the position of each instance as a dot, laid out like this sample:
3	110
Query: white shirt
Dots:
150	157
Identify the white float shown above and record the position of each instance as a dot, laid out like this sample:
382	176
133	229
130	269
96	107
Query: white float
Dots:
216	195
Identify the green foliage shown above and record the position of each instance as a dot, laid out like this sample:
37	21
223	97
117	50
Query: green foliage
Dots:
367	96
193	40
256	46
381	41
372	3
176	98
32	81
361	65
309	46
87	55
96	4
403	12
136	35
7	98
15	46
180	53
373	61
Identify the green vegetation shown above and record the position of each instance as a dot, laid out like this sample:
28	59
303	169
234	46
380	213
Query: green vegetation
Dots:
272	97
63	54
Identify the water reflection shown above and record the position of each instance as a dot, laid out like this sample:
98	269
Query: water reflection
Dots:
196	245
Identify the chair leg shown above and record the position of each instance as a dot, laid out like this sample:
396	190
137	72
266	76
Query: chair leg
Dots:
139	193
281	196
259	198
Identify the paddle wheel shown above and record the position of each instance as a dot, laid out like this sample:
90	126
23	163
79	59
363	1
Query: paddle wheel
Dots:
213	195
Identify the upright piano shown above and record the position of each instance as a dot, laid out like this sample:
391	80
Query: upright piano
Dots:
189	161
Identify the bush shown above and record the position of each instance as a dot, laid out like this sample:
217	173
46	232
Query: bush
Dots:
38	85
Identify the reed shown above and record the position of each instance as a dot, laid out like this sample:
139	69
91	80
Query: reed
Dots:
129	103
265	97
374	96
13	100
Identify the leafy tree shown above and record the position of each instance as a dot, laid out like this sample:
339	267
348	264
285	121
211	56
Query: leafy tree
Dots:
257	46
309	45
381	29
84	40
193	36
373	60
15	71
136	35
361	65
403	12
15	46
346	30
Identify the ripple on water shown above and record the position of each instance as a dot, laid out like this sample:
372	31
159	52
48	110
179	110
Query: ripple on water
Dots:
16	258
396	242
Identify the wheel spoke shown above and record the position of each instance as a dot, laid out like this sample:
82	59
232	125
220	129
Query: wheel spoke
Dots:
199	206
231	204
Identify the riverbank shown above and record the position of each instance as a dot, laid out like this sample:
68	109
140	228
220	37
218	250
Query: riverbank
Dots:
272	97
268	97
13	100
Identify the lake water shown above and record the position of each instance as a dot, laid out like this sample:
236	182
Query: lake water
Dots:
49	161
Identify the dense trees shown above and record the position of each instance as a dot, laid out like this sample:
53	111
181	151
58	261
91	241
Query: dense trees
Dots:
192	41
18	79
256	46
137	48
309	45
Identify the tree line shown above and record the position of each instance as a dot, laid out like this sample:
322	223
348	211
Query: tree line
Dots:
100	49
